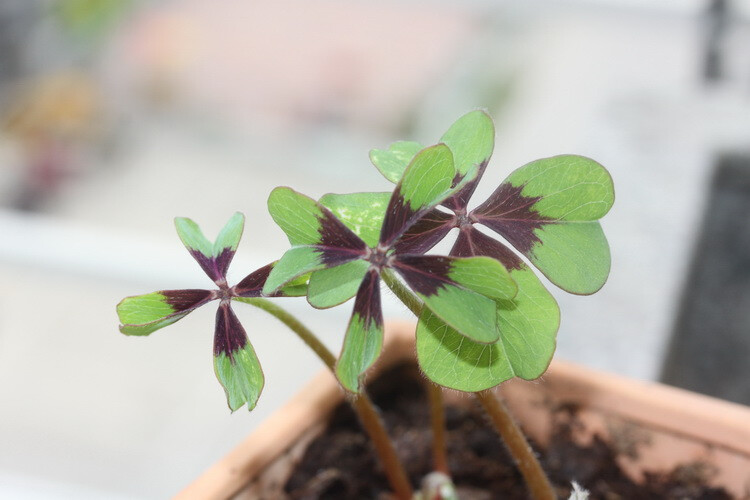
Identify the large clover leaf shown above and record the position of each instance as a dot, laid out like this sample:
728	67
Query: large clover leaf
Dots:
548	211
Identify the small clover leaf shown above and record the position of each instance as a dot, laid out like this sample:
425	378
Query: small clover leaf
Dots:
235	362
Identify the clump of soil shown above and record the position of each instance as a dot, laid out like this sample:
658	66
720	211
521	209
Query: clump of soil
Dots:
340	463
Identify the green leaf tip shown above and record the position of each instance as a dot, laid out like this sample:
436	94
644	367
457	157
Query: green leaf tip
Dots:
363	213
214	258
428	177
241	377
485	276
569	187
471	139
296	214
393	161
193	238
527	327
144	314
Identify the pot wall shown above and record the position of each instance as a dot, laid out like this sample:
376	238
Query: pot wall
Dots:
655	427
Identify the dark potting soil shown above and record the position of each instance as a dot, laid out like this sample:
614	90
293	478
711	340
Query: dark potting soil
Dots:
340	463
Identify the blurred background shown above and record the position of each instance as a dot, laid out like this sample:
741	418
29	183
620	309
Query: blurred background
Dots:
117	115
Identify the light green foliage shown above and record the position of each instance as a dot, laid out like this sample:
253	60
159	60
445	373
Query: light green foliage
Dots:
144	314
296	214
149	328
468	312
527	327
295	262
363	213
573	193
471	139
393	161
452	360
229	237
297	287
428	178
572	188
573	256
241	376
483	275
334	286
192	236
143	309
361	348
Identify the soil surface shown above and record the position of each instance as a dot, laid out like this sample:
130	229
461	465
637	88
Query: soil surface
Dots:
340	464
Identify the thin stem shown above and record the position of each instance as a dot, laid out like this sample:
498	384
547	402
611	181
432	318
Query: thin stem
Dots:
304	333
404	294
515	440
519	448
434	392
366	411
437	422
394	469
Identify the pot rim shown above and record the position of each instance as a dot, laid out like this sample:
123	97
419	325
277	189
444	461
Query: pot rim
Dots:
694	416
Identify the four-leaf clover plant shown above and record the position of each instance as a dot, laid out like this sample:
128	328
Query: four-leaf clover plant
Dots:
547	210
484	315
235	363
461	291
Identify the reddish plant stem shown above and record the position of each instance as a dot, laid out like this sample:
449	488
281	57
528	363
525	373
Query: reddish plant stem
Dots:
437	422
434	392
518	446
392	466
514	439
362	404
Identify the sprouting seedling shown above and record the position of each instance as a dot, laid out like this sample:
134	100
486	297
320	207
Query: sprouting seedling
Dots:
449	286
235	363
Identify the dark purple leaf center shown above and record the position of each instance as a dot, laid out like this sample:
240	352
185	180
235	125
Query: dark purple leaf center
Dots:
510	214
425	274
378	257
229	336
181	300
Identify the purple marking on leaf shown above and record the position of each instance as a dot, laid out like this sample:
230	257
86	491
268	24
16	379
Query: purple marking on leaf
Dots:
252	284
367	304
223	260
332	256
509	213
426	232
471	242
333	233
398	217
425	274
229	336
186	300
214	267
460	200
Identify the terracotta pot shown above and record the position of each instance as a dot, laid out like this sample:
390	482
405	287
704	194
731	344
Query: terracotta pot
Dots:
671	426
